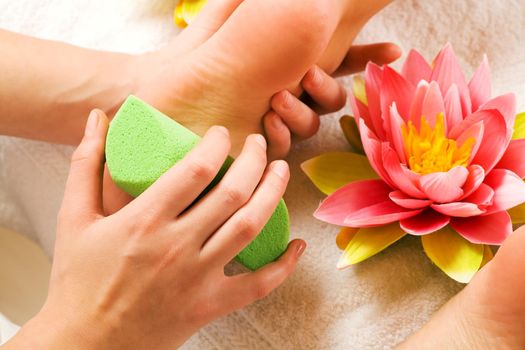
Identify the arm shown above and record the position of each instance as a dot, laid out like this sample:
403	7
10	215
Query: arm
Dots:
48	88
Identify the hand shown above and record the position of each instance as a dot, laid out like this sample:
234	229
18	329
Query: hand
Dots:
150	275
292	117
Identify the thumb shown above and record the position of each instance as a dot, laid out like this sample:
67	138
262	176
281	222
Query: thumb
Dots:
83	194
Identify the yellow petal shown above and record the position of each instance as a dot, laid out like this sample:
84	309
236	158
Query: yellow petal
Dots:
332	171
191	8
178	18
359	89
351	133
369	241
453	254
519	127
518	214
345	236
488	254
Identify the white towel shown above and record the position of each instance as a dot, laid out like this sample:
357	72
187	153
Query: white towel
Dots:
371	306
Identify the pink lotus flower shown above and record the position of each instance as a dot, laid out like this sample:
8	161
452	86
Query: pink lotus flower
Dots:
445	165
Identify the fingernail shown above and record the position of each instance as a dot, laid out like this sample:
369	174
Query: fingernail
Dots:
92	123
277	122
223	130
301	246
280	168
260	140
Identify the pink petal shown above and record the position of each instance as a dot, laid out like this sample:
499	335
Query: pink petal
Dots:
480	86
360	111
401	177
416	109
494	141
351	198
395	88
373	150
482	197
514	158
444	187
416	68
453	110
379	214
475	178
405	201
447	72
475	131
433	104
458	209
506	105
427	222
395	133
373	78
509	190
488	229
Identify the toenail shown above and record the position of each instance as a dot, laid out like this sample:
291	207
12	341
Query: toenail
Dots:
222	129
260	140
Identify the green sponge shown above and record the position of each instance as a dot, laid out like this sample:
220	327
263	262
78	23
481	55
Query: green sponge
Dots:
142	144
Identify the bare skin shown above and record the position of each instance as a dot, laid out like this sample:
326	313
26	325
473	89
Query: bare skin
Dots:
159	277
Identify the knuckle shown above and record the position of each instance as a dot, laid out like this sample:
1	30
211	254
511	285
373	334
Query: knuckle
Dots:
262	288
234	195
145	223
199	169
247	228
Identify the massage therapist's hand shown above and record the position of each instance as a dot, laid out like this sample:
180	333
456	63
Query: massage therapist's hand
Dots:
152	274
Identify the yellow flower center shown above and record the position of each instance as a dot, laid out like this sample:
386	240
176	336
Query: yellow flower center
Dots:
429	150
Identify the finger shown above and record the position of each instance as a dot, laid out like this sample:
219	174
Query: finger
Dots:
242	290
178	188
359	55
114	198
83	193
328	95
300	119
278	135
245	224
232	192
209	20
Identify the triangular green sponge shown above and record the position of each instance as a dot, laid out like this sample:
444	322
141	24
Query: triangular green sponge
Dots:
142	144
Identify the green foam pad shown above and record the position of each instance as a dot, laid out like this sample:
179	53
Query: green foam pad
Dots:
142	144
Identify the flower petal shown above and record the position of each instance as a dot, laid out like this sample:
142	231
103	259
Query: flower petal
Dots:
405	201
351	132
350	198
395	88
373	77
488	255
519	127
416	68
368	242
379	214
458	209
331	171
495	138
416	108
453	254
453	110
345	236
488	229
395	133
480	86
401	177
475	178
514	158
482	197
373	150
475	131
359	89
427	222
447	72
444	187
506	105
509	190
518	214
433	104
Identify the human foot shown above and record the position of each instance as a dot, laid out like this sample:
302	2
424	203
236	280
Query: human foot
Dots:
489	312
227	65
